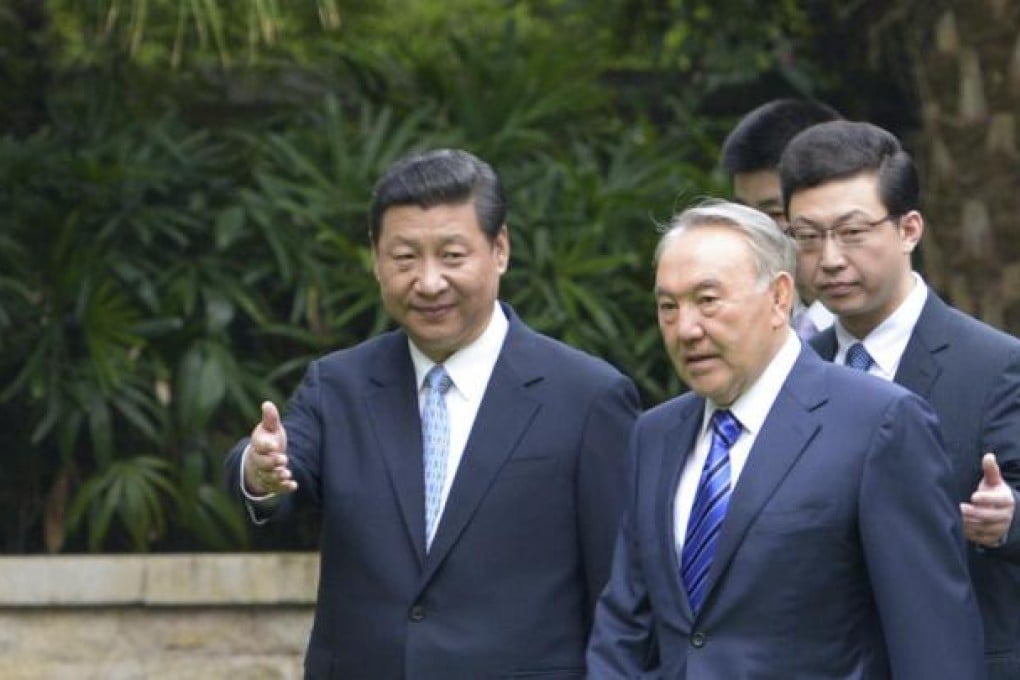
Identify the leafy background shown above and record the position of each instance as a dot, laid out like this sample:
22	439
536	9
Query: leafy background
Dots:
184	187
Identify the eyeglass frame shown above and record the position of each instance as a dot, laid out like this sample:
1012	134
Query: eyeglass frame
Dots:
826	233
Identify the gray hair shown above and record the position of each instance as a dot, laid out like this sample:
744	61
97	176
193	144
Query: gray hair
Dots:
772	250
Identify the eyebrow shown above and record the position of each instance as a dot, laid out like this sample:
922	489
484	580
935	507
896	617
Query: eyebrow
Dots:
696	288
443	240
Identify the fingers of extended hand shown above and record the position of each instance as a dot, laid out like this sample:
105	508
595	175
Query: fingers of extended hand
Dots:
271	473
987	521
267	443
267	468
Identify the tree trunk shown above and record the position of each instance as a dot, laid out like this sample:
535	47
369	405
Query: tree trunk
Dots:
966	62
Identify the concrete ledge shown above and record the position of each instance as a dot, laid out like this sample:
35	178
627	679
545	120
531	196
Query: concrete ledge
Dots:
159	580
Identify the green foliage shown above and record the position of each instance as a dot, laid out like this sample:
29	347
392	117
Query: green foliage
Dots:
130	491
176	245
167	32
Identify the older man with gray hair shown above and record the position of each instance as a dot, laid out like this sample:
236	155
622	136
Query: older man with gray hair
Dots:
789	517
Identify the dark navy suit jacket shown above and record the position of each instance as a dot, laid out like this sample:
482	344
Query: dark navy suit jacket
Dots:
524	545
841	555
970	373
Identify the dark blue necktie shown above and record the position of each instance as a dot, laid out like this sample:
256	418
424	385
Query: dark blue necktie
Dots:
858	358
709	509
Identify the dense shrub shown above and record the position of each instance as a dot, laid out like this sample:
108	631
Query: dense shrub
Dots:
175	245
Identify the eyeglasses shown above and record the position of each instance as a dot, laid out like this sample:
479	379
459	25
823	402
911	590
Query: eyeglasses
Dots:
849	233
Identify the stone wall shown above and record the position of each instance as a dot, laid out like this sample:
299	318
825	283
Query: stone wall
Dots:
206	616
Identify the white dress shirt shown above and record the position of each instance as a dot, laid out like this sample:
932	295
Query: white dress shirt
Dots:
751	409
887	342
469	369
820	315
811	320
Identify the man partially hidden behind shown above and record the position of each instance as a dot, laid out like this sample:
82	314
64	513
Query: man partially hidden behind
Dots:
750	156
468	470
790	518
852	195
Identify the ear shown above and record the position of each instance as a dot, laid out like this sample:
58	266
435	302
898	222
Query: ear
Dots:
501	247
782	291
911	228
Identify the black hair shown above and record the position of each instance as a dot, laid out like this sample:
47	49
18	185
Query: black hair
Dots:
843	149
758	140
440	177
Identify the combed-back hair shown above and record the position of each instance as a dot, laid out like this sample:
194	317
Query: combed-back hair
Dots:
440	177
773	251
843	149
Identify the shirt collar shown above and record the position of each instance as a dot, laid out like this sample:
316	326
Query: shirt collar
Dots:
469	367
753	406
887	342
820	315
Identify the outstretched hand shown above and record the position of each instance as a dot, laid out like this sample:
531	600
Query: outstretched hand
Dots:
988	516
265	469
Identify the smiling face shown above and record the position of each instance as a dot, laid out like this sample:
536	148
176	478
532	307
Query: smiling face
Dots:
863	284
439	274
720	324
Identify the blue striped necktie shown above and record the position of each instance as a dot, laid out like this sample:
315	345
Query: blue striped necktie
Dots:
435	426
709	509
857	357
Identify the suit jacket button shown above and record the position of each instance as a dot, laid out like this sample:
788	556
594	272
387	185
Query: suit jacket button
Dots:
417	613
698	640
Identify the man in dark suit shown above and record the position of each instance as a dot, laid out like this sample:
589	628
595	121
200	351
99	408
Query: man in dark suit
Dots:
852	194
468	470
789	518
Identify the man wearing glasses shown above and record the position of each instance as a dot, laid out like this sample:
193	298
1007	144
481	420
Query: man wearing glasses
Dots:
851	194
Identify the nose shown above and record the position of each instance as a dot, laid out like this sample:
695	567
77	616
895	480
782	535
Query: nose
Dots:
431	278
831	256
688	324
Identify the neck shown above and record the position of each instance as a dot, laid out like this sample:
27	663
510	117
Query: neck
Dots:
861	325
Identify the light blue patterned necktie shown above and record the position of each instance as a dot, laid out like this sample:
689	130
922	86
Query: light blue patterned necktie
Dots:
435	426
857	357
709	509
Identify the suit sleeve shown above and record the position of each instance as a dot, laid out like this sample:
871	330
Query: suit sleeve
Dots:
914	549
1001	436
622	642
302	422
601	479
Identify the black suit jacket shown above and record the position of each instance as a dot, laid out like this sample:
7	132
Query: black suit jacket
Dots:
523	547
970	373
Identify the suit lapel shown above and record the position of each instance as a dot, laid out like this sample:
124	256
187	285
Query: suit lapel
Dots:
918	368
677	445
392	406
504	415
825	343
784	436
